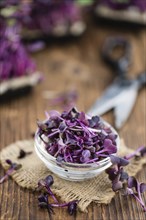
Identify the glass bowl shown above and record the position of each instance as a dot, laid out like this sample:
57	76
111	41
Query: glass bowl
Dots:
73	171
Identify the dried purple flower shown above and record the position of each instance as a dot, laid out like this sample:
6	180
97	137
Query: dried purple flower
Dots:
140	152
44	198
12	167
139	188
119	161
23	154
12	51
121	181
44	203
108	147
72	207
46	183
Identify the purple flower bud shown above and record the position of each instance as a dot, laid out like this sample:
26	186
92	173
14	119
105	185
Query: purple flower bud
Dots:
49	181
142	187
117	186
23	154
9	162
72	207
119	161
132	182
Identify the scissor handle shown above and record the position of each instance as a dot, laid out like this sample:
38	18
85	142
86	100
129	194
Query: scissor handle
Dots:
121	64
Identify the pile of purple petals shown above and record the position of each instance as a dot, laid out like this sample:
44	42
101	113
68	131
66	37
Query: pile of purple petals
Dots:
76	138
47	15
14	60
120	5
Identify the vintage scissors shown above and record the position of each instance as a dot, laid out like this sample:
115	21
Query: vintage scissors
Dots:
121	94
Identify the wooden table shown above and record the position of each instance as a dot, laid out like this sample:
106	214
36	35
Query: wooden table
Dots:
74	63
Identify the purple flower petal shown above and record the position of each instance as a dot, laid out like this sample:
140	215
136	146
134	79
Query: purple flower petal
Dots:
142	187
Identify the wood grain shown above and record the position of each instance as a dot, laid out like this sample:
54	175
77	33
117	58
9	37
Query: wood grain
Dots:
74	63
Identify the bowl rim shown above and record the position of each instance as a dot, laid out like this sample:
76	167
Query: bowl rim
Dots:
69	164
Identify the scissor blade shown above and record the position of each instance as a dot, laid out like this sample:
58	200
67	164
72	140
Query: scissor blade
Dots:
107	101
124	108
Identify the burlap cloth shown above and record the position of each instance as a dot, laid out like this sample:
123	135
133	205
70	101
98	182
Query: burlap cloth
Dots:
97	189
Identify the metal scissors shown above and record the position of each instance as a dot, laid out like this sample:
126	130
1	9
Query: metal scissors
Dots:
121	94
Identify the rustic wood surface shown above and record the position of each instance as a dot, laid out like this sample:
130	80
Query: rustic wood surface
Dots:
74	63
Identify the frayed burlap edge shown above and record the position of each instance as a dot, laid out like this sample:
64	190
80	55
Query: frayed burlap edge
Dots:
97	189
